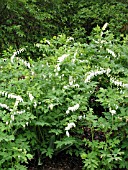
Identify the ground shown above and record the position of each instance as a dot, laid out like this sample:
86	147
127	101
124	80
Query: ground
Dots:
60	162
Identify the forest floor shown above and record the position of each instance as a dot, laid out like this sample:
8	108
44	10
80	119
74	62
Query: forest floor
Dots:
60	162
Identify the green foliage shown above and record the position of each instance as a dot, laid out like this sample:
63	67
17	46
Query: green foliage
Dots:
74	98
25	22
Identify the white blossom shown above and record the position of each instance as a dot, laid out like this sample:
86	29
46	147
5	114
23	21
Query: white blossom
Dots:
12	117
92	74
32	72
57	68
113	112
70	125
70	39
80	117
13	96
16	53
27	64
66	87
51	106
35	104
73	108
125	85
27	123
67	111
48	42
111	52
71	80
67	133
16	103
117	83
20	112
30	96
4	106
56	74
104	26
61	59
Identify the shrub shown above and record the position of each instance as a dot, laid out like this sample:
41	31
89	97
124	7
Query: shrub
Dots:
74	99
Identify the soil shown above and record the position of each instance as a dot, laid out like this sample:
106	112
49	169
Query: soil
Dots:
60	162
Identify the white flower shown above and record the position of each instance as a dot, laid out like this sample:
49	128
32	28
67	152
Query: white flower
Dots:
117	83
27	64
56	74
61	59
51	106
35	104
16	53
20	112
125	85
48	42
66	87
4	106
70	125
113	112
12	117
16	103
57	68
104	26
67	112
13	96
70	39
73	108
80	117
71	80
67	134
30	96
32	72
111	52
95	73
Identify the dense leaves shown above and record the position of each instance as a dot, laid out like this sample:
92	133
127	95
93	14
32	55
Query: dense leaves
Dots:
64	82
74	99
24	22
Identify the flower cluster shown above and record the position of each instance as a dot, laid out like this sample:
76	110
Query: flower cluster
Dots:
111	52
31	97
73	108
4	106
27	64
71	83
113	112
60	60
16	53
68	127
118	83
95	73
11	96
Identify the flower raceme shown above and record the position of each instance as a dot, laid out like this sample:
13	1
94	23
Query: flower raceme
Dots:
73	108
92	74
62	58
68	127
27	64
11	96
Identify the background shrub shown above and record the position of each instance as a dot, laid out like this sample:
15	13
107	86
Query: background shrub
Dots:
73	99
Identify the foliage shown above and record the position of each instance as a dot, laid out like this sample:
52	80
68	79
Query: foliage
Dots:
74	98
24	22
